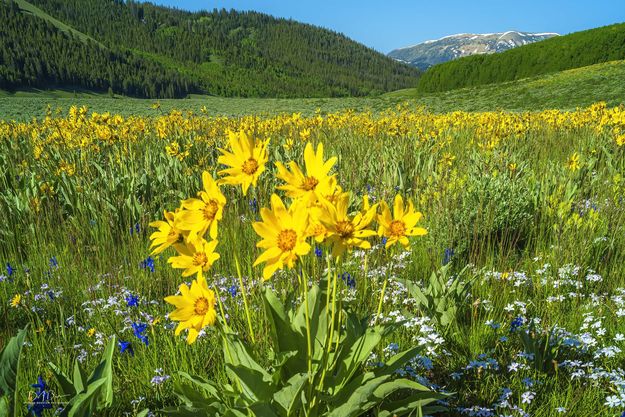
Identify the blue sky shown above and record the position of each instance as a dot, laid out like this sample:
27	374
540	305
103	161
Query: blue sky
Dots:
385	25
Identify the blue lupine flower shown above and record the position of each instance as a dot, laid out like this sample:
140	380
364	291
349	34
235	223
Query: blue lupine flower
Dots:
51	295
349	281
516	323
9	269
42	398
126	347
135	229
254	204
447	255
318	252
233	290
138	329
528	382
53	262
148	263
384	240
132	300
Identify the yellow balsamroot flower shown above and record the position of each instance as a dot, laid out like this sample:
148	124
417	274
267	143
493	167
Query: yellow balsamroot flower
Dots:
195	308
167	234
246	160
16	300
315	184
203	214
345	232
198	256
284	235
401	225
573	163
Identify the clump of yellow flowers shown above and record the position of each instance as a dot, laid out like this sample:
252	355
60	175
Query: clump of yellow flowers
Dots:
316	209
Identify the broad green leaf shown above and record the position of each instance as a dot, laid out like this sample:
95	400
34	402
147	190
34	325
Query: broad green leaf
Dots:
284	337
358	353
85	404
360	400
262	410
254	382
288	398
207	386
397	361
79	378
63	380
415	402
9	368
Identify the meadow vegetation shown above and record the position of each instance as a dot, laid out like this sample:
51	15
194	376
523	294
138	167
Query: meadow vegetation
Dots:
479	255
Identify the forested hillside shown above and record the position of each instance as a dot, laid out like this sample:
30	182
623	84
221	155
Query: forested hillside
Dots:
556	54
149	51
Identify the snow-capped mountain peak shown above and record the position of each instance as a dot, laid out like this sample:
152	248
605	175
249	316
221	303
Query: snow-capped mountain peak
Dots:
431	52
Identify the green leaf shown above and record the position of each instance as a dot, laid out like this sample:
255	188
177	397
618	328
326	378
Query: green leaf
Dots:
358	353
397	361
104	371
390	387
360	400
288	398
63	380
9	368
257	385
407	406
143	413
283	335
80	378
236	353
207	386
262	410
86	404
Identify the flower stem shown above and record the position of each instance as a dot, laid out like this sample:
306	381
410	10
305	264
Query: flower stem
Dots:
245	304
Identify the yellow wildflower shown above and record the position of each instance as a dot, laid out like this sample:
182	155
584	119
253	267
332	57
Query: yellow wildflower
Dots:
283	235
401	225
195	308
246	159
204	213
197	258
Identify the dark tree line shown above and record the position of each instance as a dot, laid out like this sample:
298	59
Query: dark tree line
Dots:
34	53
151	51
555	54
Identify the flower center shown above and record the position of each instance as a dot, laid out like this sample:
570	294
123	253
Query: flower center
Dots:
345	228
201	306
310	183
286	240
250	166
210	210
200	259
397	228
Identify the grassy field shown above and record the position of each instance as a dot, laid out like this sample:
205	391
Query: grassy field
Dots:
524	215
565	90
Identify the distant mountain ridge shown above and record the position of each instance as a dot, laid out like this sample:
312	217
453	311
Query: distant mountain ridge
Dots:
451	47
